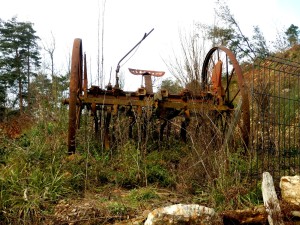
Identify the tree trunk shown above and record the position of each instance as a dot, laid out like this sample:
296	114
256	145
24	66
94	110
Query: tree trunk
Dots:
20	95
20	83
28	79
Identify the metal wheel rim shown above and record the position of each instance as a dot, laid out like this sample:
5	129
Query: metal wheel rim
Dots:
75	91
233	73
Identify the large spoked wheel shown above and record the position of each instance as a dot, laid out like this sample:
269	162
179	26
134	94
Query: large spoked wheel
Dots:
75	91
222	76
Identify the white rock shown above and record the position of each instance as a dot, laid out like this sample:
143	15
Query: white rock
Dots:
290	189
180	214
271	202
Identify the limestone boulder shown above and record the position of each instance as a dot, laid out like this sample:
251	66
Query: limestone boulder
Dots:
290	189
181	214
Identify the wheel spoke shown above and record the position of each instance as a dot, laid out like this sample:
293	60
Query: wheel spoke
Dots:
229	80
236	94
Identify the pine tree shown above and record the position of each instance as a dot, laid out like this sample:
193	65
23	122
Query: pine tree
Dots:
19	57
292	34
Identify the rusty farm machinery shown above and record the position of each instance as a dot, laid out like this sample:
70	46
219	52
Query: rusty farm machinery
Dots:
222	92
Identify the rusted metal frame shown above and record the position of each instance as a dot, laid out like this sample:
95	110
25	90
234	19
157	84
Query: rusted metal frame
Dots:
225	116
85	80
115	97
78	113
193	104
165	115
228	80
131	114
112	101
148	84
114	116
185	124
216	79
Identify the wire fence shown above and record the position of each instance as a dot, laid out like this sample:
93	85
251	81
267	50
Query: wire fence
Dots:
275	117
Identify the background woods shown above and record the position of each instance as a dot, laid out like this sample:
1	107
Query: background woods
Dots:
22	77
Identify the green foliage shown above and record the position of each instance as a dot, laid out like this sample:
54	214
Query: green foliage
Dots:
292	34
127	167
173	87
27	187
33	175
118	209
41	84
157	167
226	194
158	174
220	35
143	194
229	33
259	43
3	96
19	56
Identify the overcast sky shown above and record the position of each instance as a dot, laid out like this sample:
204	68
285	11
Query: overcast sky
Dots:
126	21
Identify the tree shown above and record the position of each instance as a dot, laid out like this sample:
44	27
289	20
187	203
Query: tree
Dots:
41	87
186	68
259	42
19	57
100	71
2	102
292	34
232	36
50	49
172	86
218	35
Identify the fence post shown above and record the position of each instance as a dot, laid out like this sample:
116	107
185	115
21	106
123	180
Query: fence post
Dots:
270	200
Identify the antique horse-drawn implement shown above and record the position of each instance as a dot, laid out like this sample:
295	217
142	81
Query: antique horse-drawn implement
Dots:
222	90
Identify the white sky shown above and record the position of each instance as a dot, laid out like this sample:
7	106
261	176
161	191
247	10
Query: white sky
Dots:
126	21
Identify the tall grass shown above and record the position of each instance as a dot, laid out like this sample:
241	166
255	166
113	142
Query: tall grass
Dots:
36	171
